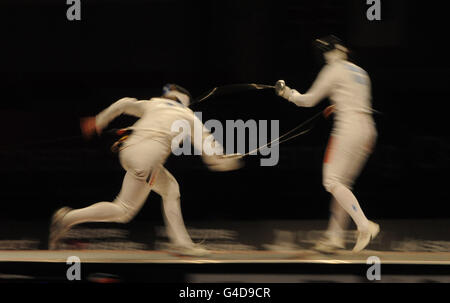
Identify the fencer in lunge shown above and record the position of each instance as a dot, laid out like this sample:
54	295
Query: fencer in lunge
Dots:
142	155
351	142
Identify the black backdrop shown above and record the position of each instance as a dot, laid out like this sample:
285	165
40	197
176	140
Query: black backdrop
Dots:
54	71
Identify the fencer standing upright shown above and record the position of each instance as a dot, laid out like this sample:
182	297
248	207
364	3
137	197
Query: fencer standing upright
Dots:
351	142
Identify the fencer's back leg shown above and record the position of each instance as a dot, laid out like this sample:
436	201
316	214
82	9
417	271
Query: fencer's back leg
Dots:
130	200
167	187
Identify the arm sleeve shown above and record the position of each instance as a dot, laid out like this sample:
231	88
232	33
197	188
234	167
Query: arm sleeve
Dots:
199	143
127	106
320	89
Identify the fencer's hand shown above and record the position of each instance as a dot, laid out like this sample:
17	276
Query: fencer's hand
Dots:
328	111
279	87
225	162
282	89
89	127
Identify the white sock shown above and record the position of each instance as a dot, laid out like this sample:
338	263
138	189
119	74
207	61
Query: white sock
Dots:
132	196
351	205
339	221
99	212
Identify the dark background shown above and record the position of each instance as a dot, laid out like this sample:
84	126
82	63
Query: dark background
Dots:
54	71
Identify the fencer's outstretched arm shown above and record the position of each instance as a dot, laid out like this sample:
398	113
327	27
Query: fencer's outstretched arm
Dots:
129	106
199	144
319	90
214	158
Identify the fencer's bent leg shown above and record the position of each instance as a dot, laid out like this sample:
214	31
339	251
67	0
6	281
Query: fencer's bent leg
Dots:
167	187
131	198
139	161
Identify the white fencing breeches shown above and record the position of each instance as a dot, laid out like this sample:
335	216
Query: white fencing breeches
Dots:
143	163
347	153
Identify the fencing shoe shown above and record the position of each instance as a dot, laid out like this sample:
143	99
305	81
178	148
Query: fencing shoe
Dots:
365	236
57	230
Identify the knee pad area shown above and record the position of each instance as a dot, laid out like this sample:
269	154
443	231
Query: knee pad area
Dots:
330	183
329	186
141	174
331	180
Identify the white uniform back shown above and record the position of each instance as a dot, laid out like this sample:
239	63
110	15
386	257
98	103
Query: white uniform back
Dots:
347	85
351	91
157	116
